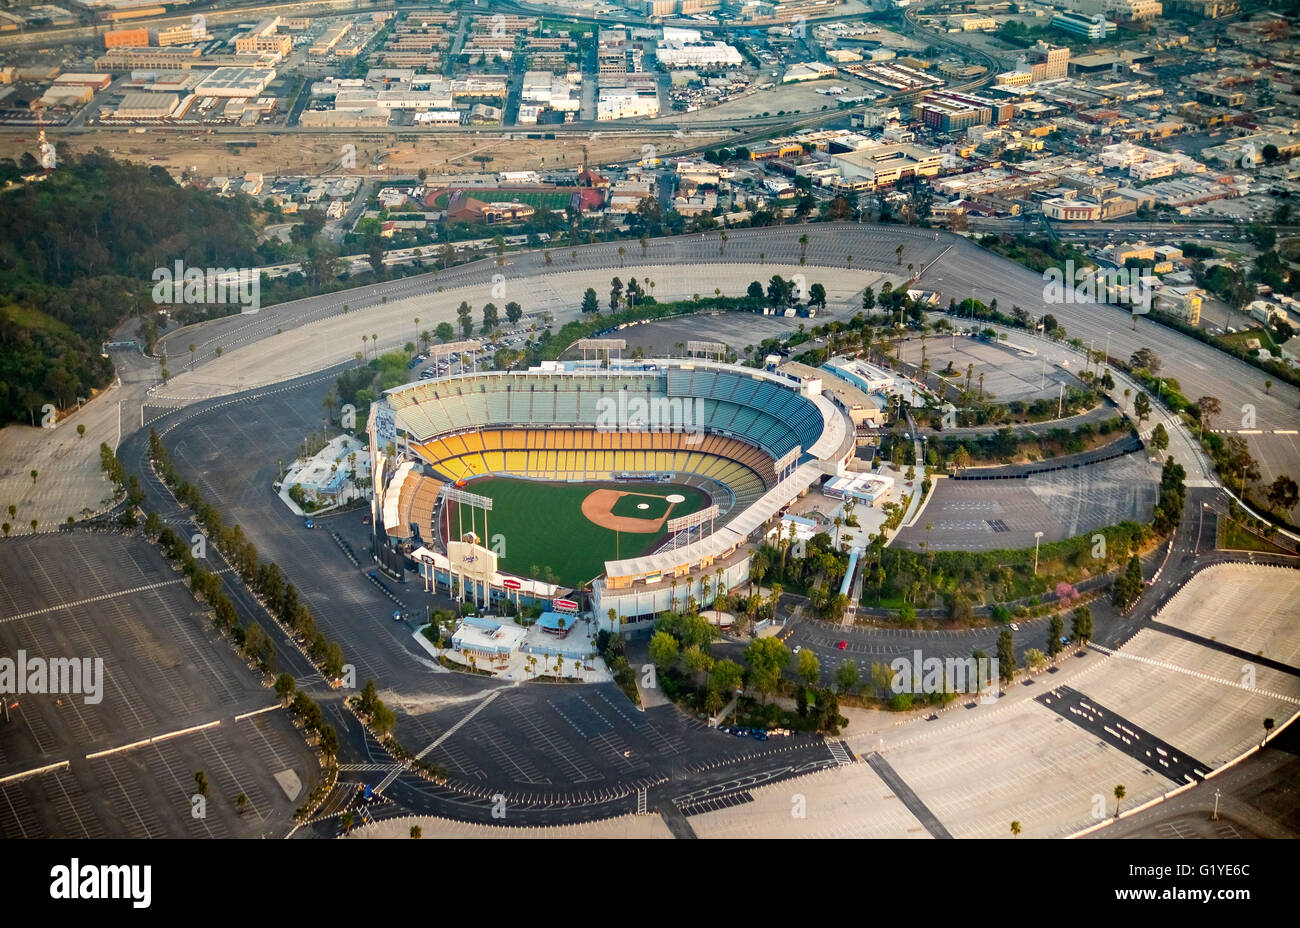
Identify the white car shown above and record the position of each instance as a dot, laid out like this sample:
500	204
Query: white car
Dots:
797	649
1015	627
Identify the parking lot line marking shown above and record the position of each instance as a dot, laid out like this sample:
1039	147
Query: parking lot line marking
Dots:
455	728
100	598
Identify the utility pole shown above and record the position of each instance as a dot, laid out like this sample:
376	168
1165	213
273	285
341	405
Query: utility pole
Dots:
1060	400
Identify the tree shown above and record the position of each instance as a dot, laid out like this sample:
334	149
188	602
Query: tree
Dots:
466	316
1268	727
663	650
726	675
1119	796
1006	656
241	803
1145	359
590	302
1015	829
444	332
201	783
1283	494
1159	438
846	676
514	312
1081	628
416	832
808	667
1054	630
285	688
490	319
1142	408
1209	407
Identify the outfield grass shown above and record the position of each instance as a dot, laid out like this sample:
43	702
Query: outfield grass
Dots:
542	525
537	199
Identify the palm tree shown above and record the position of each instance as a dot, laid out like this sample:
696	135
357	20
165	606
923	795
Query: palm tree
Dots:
1015	829
416	832
803	245
241	803
1268	727
1119	795
193	348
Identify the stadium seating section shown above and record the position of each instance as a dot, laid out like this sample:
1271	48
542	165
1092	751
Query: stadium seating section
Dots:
557	427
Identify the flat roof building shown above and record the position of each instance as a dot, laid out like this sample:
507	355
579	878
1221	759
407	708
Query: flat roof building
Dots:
235	82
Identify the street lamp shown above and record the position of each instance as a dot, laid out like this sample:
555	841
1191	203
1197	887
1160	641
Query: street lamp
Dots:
1037	536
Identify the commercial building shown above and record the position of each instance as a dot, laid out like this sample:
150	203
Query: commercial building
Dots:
947	111
362	118
1184	302
685	48
325	44
126	38
1047	62
1135	10
235	82
145	106
148	59
883	165
1066	209
863	488
264	39
611	52
625	103
866	377
182	35
1094	28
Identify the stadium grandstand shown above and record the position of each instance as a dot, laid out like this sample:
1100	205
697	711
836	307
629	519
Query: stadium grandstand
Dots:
749	441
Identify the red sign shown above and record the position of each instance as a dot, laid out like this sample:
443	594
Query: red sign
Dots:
568	604
510	583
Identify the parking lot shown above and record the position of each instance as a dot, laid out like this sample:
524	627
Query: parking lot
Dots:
987	515
1009	375
166	675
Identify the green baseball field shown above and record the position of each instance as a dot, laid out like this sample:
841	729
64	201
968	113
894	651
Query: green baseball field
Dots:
572	528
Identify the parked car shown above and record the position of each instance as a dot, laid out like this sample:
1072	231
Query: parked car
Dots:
759	734
310	523
843	646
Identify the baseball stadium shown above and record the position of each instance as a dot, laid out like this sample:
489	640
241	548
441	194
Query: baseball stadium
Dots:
628	485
